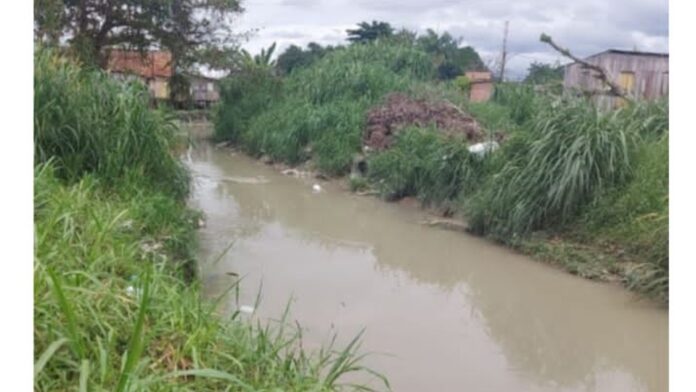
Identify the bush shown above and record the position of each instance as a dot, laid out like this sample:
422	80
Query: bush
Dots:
636	217
567	154
322	109
244	96
424	164
88	123
520	99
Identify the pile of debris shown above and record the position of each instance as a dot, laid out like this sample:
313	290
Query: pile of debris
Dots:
399	111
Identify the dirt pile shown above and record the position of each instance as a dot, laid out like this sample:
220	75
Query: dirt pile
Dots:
399	111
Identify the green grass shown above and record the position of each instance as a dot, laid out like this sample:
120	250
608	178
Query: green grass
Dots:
92	245
321	112
87	123
564	167
116	305
425	164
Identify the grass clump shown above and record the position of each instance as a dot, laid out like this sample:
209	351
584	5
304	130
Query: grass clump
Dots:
596	177
113	311
424	164
115	307
88	123
572	152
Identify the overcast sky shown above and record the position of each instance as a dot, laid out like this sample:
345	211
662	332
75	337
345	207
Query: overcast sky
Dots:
585	26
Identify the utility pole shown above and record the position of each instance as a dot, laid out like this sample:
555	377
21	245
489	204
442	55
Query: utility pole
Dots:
504	54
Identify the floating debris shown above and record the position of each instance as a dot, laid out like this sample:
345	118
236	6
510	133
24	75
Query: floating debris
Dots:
316	188
246	180
247	309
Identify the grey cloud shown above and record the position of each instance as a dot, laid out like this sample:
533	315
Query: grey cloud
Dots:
584	26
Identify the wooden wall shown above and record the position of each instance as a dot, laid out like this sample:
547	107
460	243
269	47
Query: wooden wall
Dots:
646	75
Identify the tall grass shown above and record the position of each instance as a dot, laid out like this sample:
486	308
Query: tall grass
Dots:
113	253
88	123
603	174
425	164
108	294
322	109
568	153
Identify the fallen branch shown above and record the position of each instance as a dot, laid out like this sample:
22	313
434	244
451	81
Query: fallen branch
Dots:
601	73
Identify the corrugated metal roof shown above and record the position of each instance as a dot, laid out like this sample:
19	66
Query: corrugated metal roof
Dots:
631	53
148	65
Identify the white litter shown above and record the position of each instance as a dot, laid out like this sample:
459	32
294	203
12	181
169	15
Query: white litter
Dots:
246	309
316	188
481	149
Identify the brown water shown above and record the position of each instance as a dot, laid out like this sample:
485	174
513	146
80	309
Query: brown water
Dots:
445	311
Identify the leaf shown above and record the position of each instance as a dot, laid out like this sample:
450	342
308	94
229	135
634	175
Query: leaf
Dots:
47	354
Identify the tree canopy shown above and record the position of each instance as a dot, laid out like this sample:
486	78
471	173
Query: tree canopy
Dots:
184	27
541	73
367	32
295	57
450	59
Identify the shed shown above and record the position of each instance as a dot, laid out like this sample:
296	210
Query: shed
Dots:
204	90
481	85
643	75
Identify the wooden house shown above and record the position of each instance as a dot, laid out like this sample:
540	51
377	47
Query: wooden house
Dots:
643	75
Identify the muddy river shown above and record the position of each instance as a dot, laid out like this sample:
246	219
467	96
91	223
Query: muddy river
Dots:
442	310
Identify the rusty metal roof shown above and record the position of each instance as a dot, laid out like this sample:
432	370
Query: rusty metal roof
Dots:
148	64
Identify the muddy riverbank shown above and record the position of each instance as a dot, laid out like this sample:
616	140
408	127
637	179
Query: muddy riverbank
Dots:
442	310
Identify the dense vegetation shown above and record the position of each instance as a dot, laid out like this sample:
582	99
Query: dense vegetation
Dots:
115	305
317	111
595	179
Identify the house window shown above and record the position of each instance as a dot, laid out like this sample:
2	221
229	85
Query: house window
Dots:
210	86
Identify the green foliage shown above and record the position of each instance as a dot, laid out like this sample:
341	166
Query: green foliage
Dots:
183	27
368	32
295	57
88	123
463	83
113	312
114	248
520	99
568	154
636	217
450	59
424	164
321	111
244	96
261	60
540	73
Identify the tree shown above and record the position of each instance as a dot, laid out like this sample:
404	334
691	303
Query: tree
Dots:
367	32
183	27
295	57
450	59
540	73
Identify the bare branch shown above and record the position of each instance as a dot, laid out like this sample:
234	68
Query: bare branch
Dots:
600	73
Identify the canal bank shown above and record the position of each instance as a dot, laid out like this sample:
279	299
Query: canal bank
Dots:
441	310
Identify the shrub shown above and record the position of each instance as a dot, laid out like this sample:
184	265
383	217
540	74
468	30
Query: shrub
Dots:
424	164
322	109
520	99
567	154
244	96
